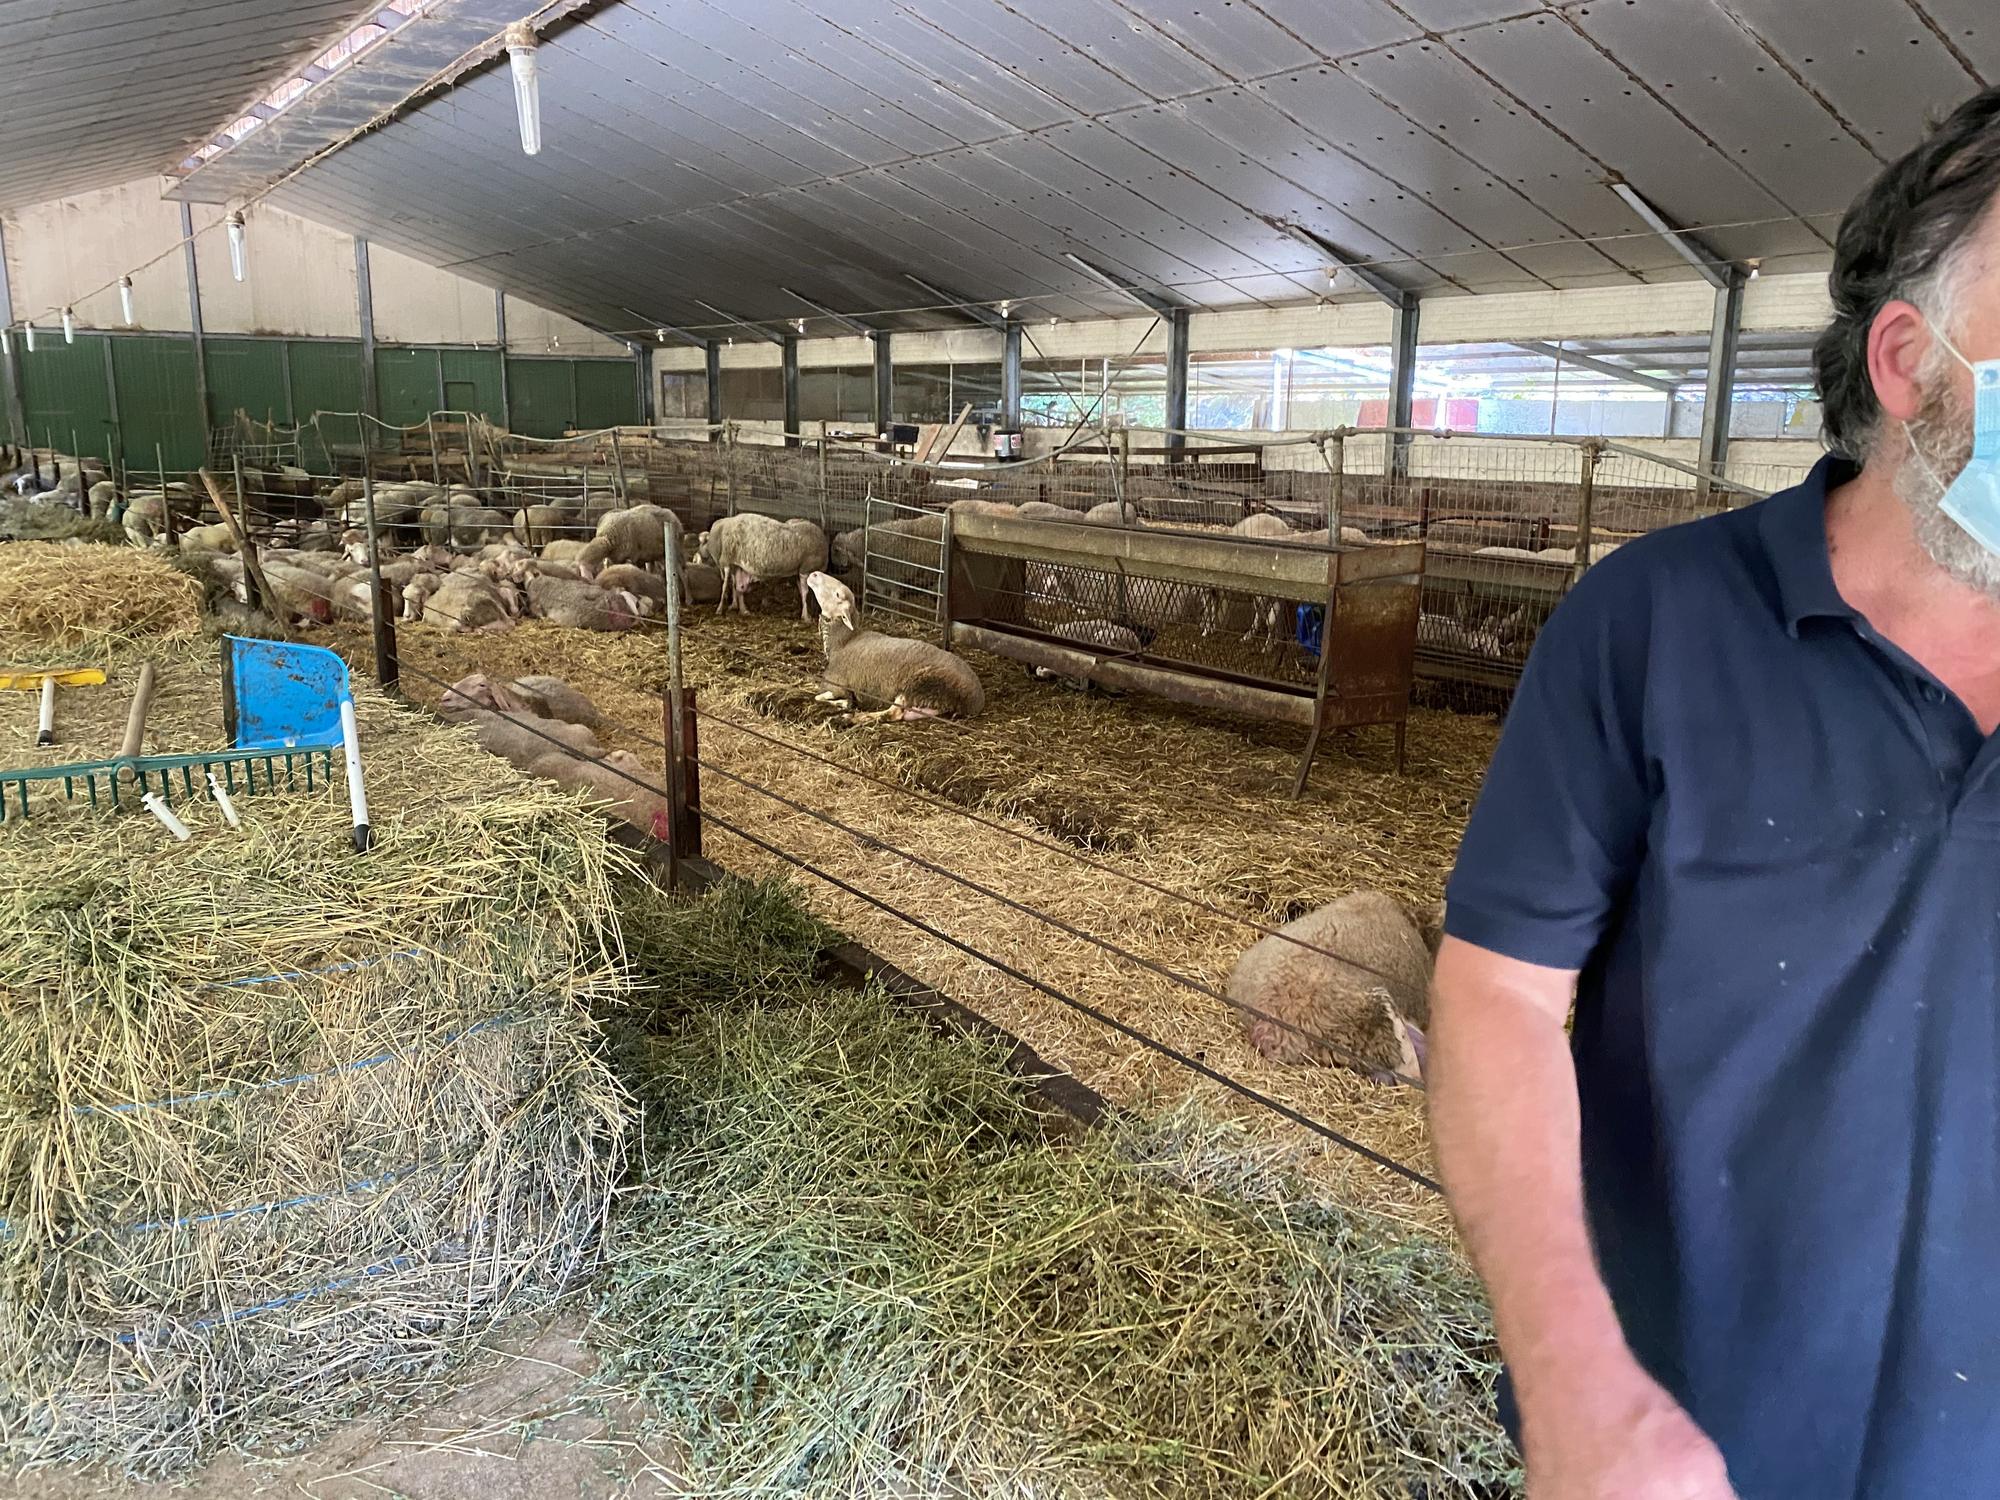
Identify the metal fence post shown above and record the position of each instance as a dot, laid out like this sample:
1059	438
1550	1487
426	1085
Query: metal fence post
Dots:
1334	450
1585	496
729	446
677	802
437	460
825	504
387	668
166	509
618	468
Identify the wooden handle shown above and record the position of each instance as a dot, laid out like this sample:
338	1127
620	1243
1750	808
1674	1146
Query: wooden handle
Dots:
135	722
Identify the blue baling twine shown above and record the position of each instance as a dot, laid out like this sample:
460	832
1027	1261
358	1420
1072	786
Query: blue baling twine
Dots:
346	968
172	1101
276	1205
236	1315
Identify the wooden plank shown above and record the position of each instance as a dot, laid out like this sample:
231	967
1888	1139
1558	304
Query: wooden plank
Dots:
1181	687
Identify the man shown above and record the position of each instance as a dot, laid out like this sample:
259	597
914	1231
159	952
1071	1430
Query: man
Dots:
1741	1232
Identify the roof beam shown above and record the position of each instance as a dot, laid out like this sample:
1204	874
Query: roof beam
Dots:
754	330
852	325
664	331
1714	269
1153	302
1380	285
977	311
1564	356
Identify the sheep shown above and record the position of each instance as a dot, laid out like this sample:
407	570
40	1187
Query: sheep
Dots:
914	678
103	498
1106	637
747	548
300	591
563	551
1042	510
522	739
216	538
463	601
553	698
1264	610
581	606
849	553
1262	524
634	535
700	584
1371	1002
610	779
650	589
1110	513
537	524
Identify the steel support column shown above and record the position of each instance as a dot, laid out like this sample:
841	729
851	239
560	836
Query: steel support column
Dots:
364	302
194	323
790	346
642	357
1402	382
714	352
885	384
1722	340
17	419
1010	378
1177	375
500	337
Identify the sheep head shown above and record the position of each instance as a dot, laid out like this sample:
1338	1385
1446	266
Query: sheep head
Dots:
836	599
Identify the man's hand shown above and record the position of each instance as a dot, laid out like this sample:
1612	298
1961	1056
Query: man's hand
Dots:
1616	1435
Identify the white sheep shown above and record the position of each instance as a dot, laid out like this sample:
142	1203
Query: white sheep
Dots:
650	589
465	601
915	679
634	535
521	739
1371	1002
1109	513
1104	637
610	781
581	606
747	548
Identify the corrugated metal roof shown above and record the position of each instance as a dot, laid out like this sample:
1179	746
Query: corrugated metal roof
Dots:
99	93
717	151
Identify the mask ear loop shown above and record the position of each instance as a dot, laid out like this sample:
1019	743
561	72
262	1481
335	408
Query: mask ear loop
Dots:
1909	436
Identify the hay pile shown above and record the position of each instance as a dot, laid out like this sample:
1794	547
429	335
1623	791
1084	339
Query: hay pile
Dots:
29	518
861	1262
282	1129
68	595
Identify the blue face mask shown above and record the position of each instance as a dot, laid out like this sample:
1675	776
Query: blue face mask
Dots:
1973	498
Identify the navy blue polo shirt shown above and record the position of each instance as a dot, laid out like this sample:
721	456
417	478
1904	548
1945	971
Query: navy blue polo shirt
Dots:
1771	843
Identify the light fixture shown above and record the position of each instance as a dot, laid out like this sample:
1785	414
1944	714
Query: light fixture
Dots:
28	328
660	334
125	299
6	344
799	324
69	326
521	45
1756	269
1006	308
234	224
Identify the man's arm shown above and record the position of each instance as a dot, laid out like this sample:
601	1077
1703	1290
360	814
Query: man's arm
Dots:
1503	1108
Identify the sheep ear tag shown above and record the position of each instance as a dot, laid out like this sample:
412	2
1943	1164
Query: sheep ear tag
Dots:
1973	500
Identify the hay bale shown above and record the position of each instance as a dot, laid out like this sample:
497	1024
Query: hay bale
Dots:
283	1129
81	595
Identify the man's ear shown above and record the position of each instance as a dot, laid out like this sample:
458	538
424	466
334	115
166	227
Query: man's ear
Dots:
1900	343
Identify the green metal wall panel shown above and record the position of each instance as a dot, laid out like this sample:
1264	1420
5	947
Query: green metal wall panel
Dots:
63	391
472	382
541	395
159	402
247	375
607	393
326	377
406	385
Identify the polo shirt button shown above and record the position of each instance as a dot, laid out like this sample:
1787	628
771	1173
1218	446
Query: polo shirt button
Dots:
1934	693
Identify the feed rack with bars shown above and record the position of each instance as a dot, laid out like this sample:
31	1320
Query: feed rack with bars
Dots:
1331	632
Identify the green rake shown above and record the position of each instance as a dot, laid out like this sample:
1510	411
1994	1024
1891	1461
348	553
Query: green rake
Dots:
287	711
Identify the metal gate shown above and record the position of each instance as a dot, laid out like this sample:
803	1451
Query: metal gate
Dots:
902	561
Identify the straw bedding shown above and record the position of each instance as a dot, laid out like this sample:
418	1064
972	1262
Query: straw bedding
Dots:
282	1129
72	595
1195	802
860	1261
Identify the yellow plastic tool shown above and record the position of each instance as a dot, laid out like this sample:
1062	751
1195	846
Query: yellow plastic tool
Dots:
47	680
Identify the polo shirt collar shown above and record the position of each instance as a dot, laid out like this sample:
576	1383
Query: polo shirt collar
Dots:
1793	529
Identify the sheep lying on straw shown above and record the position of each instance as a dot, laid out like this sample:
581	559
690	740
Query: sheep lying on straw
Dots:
915	679
1370	999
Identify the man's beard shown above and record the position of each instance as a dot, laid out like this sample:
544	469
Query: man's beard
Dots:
1939	446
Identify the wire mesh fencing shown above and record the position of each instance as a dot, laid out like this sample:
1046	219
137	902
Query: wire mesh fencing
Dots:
902	561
